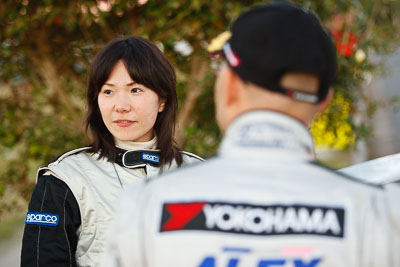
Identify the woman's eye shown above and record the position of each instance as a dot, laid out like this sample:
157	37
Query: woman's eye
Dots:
107	92
136	90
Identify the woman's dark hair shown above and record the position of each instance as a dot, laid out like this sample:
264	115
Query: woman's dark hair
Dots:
146	65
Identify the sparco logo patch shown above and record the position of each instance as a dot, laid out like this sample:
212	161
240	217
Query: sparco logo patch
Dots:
39	218
151	157
252	219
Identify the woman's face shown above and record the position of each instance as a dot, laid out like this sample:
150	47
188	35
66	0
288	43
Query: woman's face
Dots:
129	110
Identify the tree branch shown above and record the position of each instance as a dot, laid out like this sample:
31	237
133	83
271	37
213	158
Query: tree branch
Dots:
194	89
47	69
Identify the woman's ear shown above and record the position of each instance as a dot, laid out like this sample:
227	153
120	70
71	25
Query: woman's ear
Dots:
162	105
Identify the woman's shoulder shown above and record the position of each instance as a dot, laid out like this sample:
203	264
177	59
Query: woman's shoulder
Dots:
72	154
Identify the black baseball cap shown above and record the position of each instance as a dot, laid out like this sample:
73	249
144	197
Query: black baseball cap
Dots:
272	39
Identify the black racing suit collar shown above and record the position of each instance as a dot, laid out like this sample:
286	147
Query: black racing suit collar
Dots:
137	158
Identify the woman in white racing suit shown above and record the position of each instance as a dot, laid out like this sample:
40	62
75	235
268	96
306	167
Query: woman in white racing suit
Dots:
132	104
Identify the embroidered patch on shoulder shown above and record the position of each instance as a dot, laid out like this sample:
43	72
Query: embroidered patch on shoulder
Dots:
40	218
149	157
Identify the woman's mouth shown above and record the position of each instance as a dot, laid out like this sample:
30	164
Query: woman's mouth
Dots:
124	123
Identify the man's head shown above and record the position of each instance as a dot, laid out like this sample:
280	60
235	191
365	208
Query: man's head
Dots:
278	57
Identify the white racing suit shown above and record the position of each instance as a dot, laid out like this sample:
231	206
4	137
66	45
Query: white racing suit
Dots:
261	202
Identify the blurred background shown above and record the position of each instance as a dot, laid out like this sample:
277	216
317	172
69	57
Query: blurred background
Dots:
46	47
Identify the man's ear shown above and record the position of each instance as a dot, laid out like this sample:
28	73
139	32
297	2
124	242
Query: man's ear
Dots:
324	104
233	86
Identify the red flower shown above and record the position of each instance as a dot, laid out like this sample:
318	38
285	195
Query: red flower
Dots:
346	43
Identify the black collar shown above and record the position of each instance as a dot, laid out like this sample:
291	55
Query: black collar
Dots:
137	158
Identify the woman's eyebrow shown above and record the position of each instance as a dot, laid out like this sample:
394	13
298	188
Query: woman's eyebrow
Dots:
128	84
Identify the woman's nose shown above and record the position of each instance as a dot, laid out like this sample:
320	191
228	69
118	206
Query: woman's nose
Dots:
122	105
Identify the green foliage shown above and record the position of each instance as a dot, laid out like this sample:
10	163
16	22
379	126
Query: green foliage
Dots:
46	47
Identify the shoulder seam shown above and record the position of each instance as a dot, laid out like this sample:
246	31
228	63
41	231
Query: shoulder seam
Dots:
192	155
68	153
58	159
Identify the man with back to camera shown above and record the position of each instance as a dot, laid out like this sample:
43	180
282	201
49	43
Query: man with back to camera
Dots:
262	201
